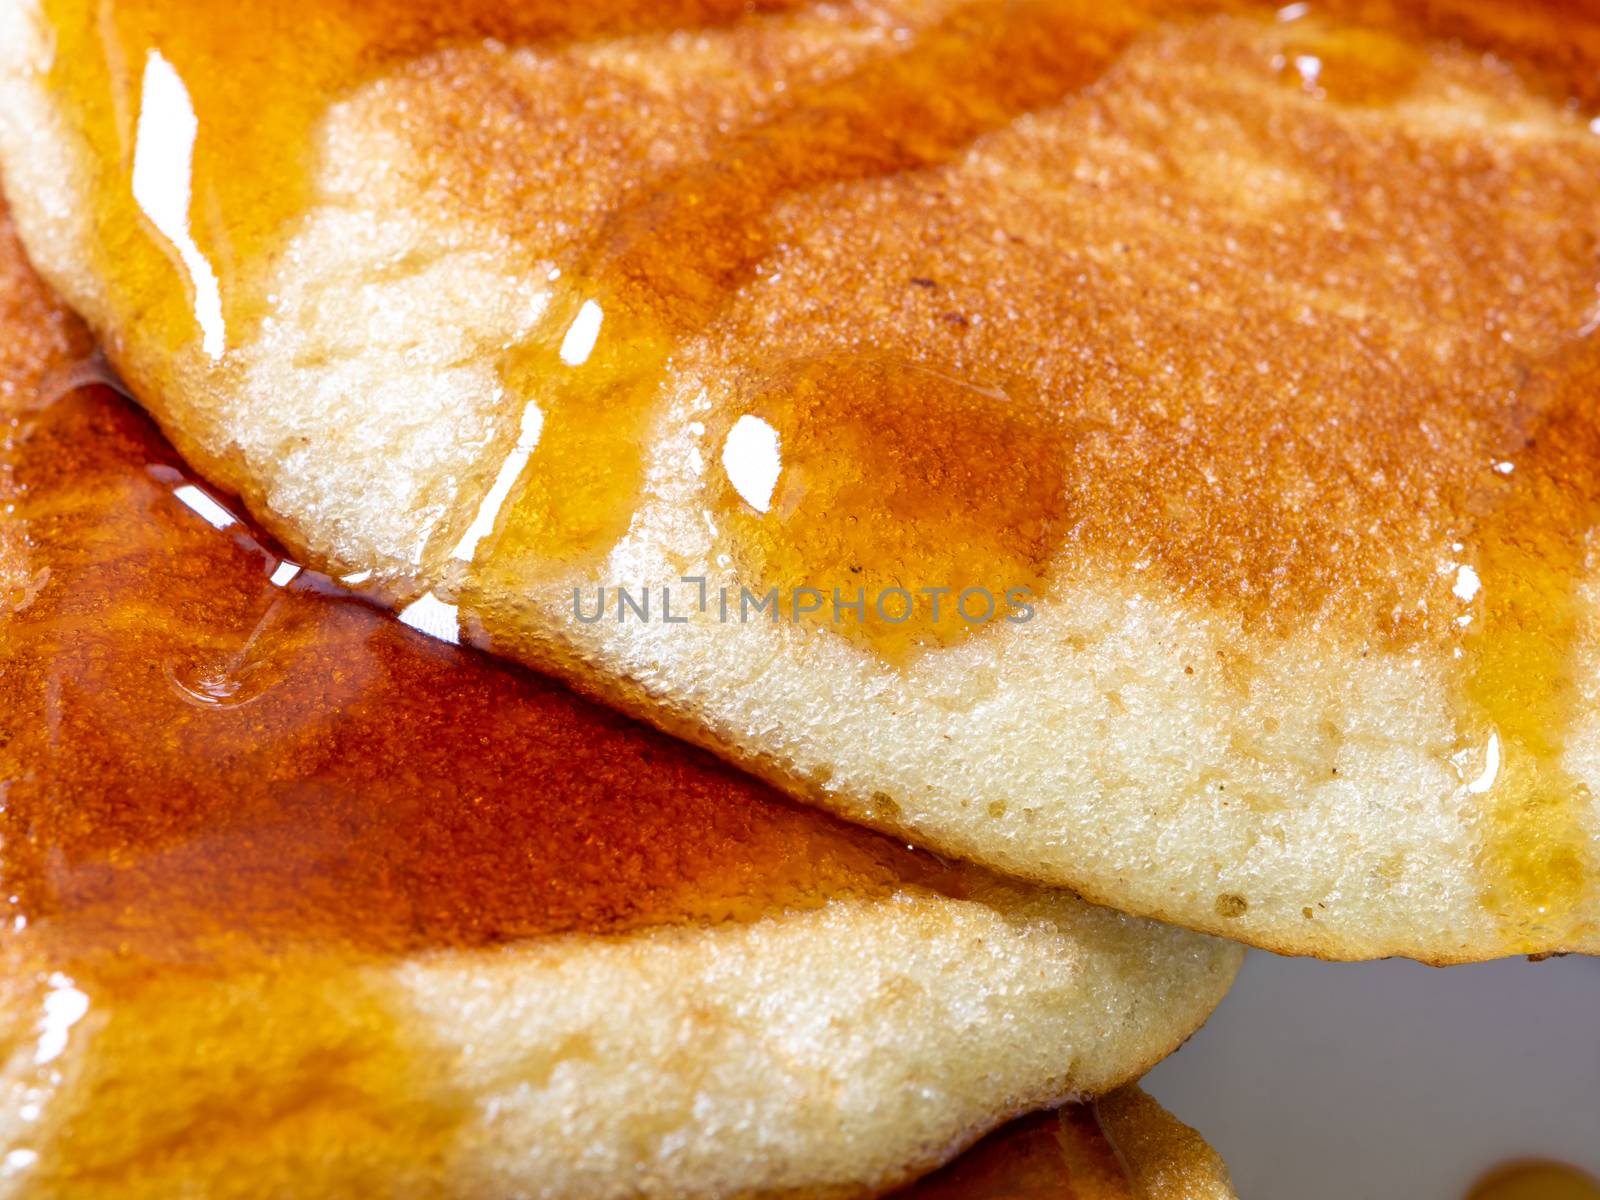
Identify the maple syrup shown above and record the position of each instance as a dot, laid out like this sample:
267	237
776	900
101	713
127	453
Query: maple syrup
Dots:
1530	545
580	488
227	779
1257	510
237	784
211	751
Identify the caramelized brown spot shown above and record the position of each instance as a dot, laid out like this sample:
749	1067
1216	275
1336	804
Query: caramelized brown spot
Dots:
1231	906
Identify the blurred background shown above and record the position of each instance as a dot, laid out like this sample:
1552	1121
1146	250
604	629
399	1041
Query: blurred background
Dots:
1341	1081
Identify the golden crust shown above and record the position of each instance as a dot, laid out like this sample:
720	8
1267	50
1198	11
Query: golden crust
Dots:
1166	1159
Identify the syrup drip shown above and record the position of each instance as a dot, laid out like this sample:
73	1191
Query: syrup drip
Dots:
975	516
1529	546
1350	66
981	66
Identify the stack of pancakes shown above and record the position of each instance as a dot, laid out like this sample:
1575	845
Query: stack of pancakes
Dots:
1060	455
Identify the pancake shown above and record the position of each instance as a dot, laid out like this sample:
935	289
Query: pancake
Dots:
301	902
1123	1147
1237	365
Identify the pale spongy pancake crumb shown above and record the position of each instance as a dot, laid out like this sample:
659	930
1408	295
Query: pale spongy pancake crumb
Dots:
1239	705
829	1053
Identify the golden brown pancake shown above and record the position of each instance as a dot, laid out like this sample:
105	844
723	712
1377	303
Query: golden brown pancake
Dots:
300	902
1247	353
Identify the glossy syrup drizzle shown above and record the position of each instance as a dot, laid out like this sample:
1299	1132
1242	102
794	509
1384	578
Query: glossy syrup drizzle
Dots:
630	304
935	537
